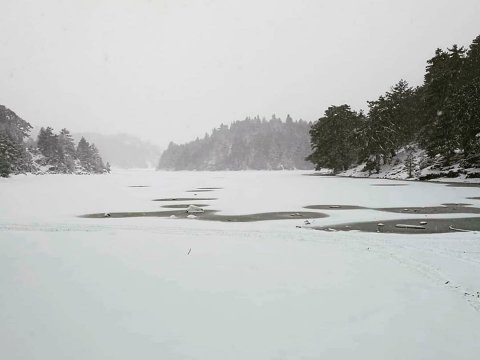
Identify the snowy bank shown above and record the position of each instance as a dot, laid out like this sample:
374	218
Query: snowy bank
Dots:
413	163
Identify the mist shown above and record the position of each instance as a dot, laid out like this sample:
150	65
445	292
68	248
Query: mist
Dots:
173	70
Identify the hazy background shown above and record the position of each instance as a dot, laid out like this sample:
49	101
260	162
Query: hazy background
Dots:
172	70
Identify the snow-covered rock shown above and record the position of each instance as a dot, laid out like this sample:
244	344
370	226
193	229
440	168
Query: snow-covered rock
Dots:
413	163
193	209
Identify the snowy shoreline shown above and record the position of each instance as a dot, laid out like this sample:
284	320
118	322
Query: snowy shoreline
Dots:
444	181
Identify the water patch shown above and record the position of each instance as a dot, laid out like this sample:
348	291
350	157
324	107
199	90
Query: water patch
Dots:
130	214
185	199
410	226
455	184
389	184
210	215
456	204
430	210
183	206
283	215
334	207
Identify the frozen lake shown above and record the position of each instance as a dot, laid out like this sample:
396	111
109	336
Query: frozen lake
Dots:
162	288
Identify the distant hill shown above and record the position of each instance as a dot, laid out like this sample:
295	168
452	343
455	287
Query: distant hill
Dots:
249	144
122	150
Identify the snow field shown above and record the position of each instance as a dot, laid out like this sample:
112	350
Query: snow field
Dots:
129	288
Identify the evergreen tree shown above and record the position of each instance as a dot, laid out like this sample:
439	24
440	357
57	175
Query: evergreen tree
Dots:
443	79
472	62
332	138
8	153
13	126
66	147
464	108
96	161
48	145
89	157
83	154
14	157
390	124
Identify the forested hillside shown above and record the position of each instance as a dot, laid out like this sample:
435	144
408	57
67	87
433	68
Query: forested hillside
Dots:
440	117
50	152
248	144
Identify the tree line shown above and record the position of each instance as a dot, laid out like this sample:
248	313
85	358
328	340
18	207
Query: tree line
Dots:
441	116
63	156
252	143
56	153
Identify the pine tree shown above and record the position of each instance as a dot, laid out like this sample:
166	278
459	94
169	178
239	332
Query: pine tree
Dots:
83	154
13	126
464	108
332	138
410	162
48	145
96	161
443	79
67	149
390	124
8	153
13	153
472	63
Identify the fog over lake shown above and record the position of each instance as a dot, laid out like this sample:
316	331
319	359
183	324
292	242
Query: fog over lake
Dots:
170	70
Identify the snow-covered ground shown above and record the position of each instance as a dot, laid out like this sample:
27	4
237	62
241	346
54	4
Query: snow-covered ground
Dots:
421	166
160	288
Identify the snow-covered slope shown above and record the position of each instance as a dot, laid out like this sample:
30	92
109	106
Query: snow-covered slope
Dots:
413	163
40	166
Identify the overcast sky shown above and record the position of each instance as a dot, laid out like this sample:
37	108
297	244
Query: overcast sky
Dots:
174	69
